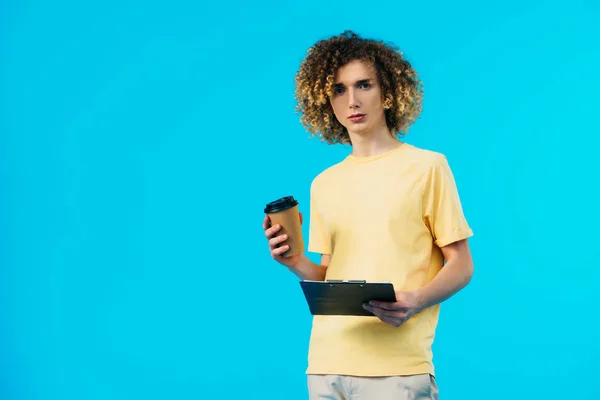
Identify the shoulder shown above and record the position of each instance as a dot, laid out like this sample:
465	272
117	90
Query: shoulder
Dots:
425	157
424	161
328	175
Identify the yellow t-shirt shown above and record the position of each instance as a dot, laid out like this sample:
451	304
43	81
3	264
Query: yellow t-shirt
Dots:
382	219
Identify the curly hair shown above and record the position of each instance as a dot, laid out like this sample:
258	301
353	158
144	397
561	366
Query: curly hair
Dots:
402	90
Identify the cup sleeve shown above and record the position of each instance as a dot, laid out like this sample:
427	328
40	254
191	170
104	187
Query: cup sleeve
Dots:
442	209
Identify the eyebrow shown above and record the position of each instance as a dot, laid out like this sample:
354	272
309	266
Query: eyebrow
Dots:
357	82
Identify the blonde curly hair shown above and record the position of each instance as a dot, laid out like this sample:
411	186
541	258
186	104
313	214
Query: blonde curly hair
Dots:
402	90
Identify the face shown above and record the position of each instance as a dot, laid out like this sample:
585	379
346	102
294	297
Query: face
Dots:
356	99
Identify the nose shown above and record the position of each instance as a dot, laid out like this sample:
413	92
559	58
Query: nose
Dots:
352	101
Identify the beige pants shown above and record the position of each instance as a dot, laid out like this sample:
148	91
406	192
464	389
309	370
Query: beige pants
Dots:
340	387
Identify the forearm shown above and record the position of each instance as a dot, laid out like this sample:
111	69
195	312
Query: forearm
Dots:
307	270
454	276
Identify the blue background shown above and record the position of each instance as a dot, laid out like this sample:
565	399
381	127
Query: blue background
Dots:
140	142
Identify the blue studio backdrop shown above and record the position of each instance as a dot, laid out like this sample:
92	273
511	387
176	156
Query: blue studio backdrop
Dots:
140	142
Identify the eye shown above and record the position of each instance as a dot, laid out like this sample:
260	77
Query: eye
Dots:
338	90
365	85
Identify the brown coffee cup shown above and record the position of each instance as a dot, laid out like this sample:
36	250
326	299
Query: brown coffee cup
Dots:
284	212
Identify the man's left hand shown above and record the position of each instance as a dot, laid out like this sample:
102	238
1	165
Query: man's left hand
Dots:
406	305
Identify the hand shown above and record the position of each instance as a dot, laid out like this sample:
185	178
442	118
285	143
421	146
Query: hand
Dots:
275	244
406	305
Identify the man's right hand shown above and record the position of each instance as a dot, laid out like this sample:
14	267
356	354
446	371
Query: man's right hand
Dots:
277	244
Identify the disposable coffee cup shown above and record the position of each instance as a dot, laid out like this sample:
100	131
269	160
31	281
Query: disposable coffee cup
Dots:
284	212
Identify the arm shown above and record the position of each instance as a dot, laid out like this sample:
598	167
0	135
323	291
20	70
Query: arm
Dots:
443	215
454	276
299	264
306	269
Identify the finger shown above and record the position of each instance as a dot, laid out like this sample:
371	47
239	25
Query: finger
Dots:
384	305
279	250
384	314
383	317
394	315
272	230
375	310
266	222
392	321
279	239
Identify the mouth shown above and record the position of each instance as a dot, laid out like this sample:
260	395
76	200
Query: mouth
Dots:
356	117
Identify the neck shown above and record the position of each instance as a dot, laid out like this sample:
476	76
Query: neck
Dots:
367	144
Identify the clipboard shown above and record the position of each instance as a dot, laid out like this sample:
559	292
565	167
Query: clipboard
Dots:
345	297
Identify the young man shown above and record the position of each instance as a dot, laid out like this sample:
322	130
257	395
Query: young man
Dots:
388	212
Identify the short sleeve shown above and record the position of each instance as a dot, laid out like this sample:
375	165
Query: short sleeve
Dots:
318	239
442	209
